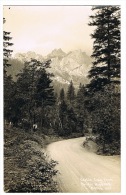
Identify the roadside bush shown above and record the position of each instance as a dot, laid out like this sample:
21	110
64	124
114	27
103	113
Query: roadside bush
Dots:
106	117
38	178
26	167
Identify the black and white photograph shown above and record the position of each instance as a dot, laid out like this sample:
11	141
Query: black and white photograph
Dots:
62	98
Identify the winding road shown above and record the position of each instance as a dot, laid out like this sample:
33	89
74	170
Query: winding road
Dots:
82	170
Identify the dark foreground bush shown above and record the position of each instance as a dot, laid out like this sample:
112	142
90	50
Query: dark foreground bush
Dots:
26	167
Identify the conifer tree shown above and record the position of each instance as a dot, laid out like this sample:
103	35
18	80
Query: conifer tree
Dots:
106	47
44	93
6	51
80	107
62	94
63	115
80	97
8	83
72	120
71	92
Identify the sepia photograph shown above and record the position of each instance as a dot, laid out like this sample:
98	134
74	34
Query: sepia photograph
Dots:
62	98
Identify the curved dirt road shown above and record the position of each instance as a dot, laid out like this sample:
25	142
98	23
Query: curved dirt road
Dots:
84	171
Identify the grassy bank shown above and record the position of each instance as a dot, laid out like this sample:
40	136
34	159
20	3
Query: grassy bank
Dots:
26	166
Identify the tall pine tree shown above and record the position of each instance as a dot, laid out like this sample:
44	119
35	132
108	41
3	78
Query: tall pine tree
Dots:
44	93
6	51
8	83
80	108
71	92
62	94
106	48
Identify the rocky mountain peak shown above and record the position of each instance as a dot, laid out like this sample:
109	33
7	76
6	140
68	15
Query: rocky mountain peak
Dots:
56	53
80	57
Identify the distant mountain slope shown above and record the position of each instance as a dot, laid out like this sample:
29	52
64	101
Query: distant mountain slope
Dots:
27	56
65	66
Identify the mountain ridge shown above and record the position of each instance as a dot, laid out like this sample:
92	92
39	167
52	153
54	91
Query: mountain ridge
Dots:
73	65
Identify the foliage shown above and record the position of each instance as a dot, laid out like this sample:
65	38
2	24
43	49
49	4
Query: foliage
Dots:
106	47
15	68
106	116
33	92
80	108
64	129
72	114
27	168
102	100
62	94
6	51
71	92
8	82
8	96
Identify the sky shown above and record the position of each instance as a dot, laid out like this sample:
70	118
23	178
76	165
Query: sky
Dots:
44	28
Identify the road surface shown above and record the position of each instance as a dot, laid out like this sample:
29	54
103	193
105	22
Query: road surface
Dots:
84	171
